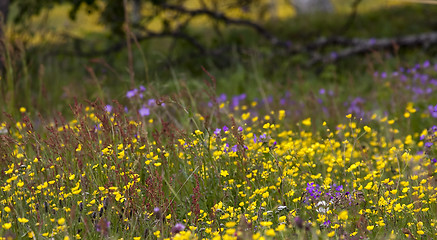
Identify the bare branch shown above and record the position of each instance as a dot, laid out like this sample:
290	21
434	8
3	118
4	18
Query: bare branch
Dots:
228	20
363	46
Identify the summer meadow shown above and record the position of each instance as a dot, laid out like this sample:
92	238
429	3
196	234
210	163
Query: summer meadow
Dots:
202	120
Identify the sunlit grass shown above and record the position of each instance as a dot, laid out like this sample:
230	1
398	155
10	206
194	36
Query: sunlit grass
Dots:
201	165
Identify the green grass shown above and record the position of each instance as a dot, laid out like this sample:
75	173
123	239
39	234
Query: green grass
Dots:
62	77
144	174
264	165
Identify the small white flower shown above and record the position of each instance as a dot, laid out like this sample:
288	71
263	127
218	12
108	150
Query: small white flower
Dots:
321	207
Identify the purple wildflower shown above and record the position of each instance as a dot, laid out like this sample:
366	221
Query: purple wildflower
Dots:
236	99
217	131
355	106
299	222
131	93
426	64
157	212
433	110
337	187
179	227
151	102
144	111
333	55
222	98
225	149
313	189
103	226
108	108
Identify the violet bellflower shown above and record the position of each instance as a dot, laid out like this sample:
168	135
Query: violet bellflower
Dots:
313	190
217	131
131	93
108	108
144	111
433	110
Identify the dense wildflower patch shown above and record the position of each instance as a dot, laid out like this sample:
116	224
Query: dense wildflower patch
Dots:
239	169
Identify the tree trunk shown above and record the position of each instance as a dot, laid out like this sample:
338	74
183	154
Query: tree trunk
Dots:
312	6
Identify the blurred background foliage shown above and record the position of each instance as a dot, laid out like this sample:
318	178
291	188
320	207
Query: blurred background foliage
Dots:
56	50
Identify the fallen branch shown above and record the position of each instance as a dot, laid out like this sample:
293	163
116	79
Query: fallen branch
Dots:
360	46
351	46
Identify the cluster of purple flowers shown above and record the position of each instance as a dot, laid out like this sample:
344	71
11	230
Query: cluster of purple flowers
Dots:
261	138
433	110
285	99
178	227
356	107
217	131
220	99
234	148
336	191
103	226
237	99
313	190
430	138
420	83
136	92
144	110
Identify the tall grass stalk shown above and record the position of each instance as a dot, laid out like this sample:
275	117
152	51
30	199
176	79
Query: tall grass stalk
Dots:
10	92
